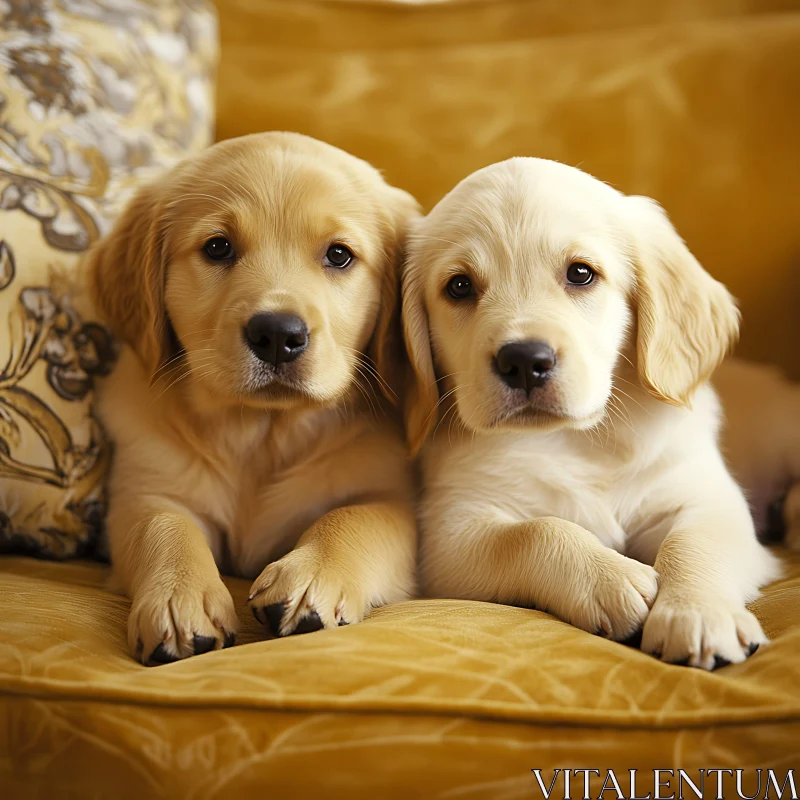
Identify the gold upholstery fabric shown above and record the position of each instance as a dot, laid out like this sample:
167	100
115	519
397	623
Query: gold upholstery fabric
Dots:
422	698
693	102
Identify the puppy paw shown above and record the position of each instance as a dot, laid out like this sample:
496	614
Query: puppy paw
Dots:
618	597
707	632
300	594
173	621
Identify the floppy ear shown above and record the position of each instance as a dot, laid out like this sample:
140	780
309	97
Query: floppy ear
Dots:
422	393
687	321
126	271
385	349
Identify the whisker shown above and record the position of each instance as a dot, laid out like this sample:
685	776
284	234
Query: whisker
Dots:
365	361
451	374
202	364
450	408
634	400
175	358
366	396
439	402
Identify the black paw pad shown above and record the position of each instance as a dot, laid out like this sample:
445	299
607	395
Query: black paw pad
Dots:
309	623
753	647
343	622
681	662
161	656
258	613
635	640
230	639
202	644
274	615
720	662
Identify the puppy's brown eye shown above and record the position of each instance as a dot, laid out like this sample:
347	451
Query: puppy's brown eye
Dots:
460	287
338	256
219	249
580	274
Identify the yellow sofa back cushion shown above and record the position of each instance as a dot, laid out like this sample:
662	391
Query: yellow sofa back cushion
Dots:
693	103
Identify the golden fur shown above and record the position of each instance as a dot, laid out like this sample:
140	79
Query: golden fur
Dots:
582	495
296	477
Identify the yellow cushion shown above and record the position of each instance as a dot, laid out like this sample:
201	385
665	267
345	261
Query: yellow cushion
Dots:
422	697
693	103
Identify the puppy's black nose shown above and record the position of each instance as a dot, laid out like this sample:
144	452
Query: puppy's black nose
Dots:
525	365
276	338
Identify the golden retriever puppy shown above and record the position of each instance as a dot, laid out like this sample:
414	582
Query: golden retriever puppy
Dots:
561	337
254	287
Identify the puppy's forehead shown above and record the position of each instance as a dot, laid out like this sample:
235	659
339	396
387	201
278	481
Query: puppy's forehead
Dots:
523	207
263	193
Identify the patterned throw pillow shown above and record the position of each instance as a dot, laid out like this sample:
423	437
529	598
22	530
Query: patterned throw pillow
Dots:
96	96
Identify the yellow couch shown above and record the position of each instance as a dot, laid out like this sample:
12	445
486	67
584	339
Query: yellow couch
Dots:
423	699
694	103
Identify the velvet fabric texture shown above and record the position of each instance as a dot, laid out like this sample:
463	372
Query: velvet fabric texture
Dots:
692	102
429	698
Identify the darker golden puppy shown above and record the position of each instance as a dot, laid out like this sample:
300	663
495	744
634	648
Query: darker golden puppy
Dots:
254	287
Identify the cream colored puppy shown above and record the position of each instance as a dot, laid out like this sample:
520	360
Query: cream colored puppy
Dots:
254	287
561	337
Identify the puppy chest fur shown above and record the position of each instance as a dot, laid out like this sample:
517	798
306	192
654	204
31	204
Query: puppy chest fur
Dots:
252	486
608	481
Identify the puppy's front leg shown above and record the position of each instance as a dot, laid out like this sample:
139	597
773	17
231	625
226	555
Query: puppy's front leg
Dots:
710	565
180	606
349	561
548	563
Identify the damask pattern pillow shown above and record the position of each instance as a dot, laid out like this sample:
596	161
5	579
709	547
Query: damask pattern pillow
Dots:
96	96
